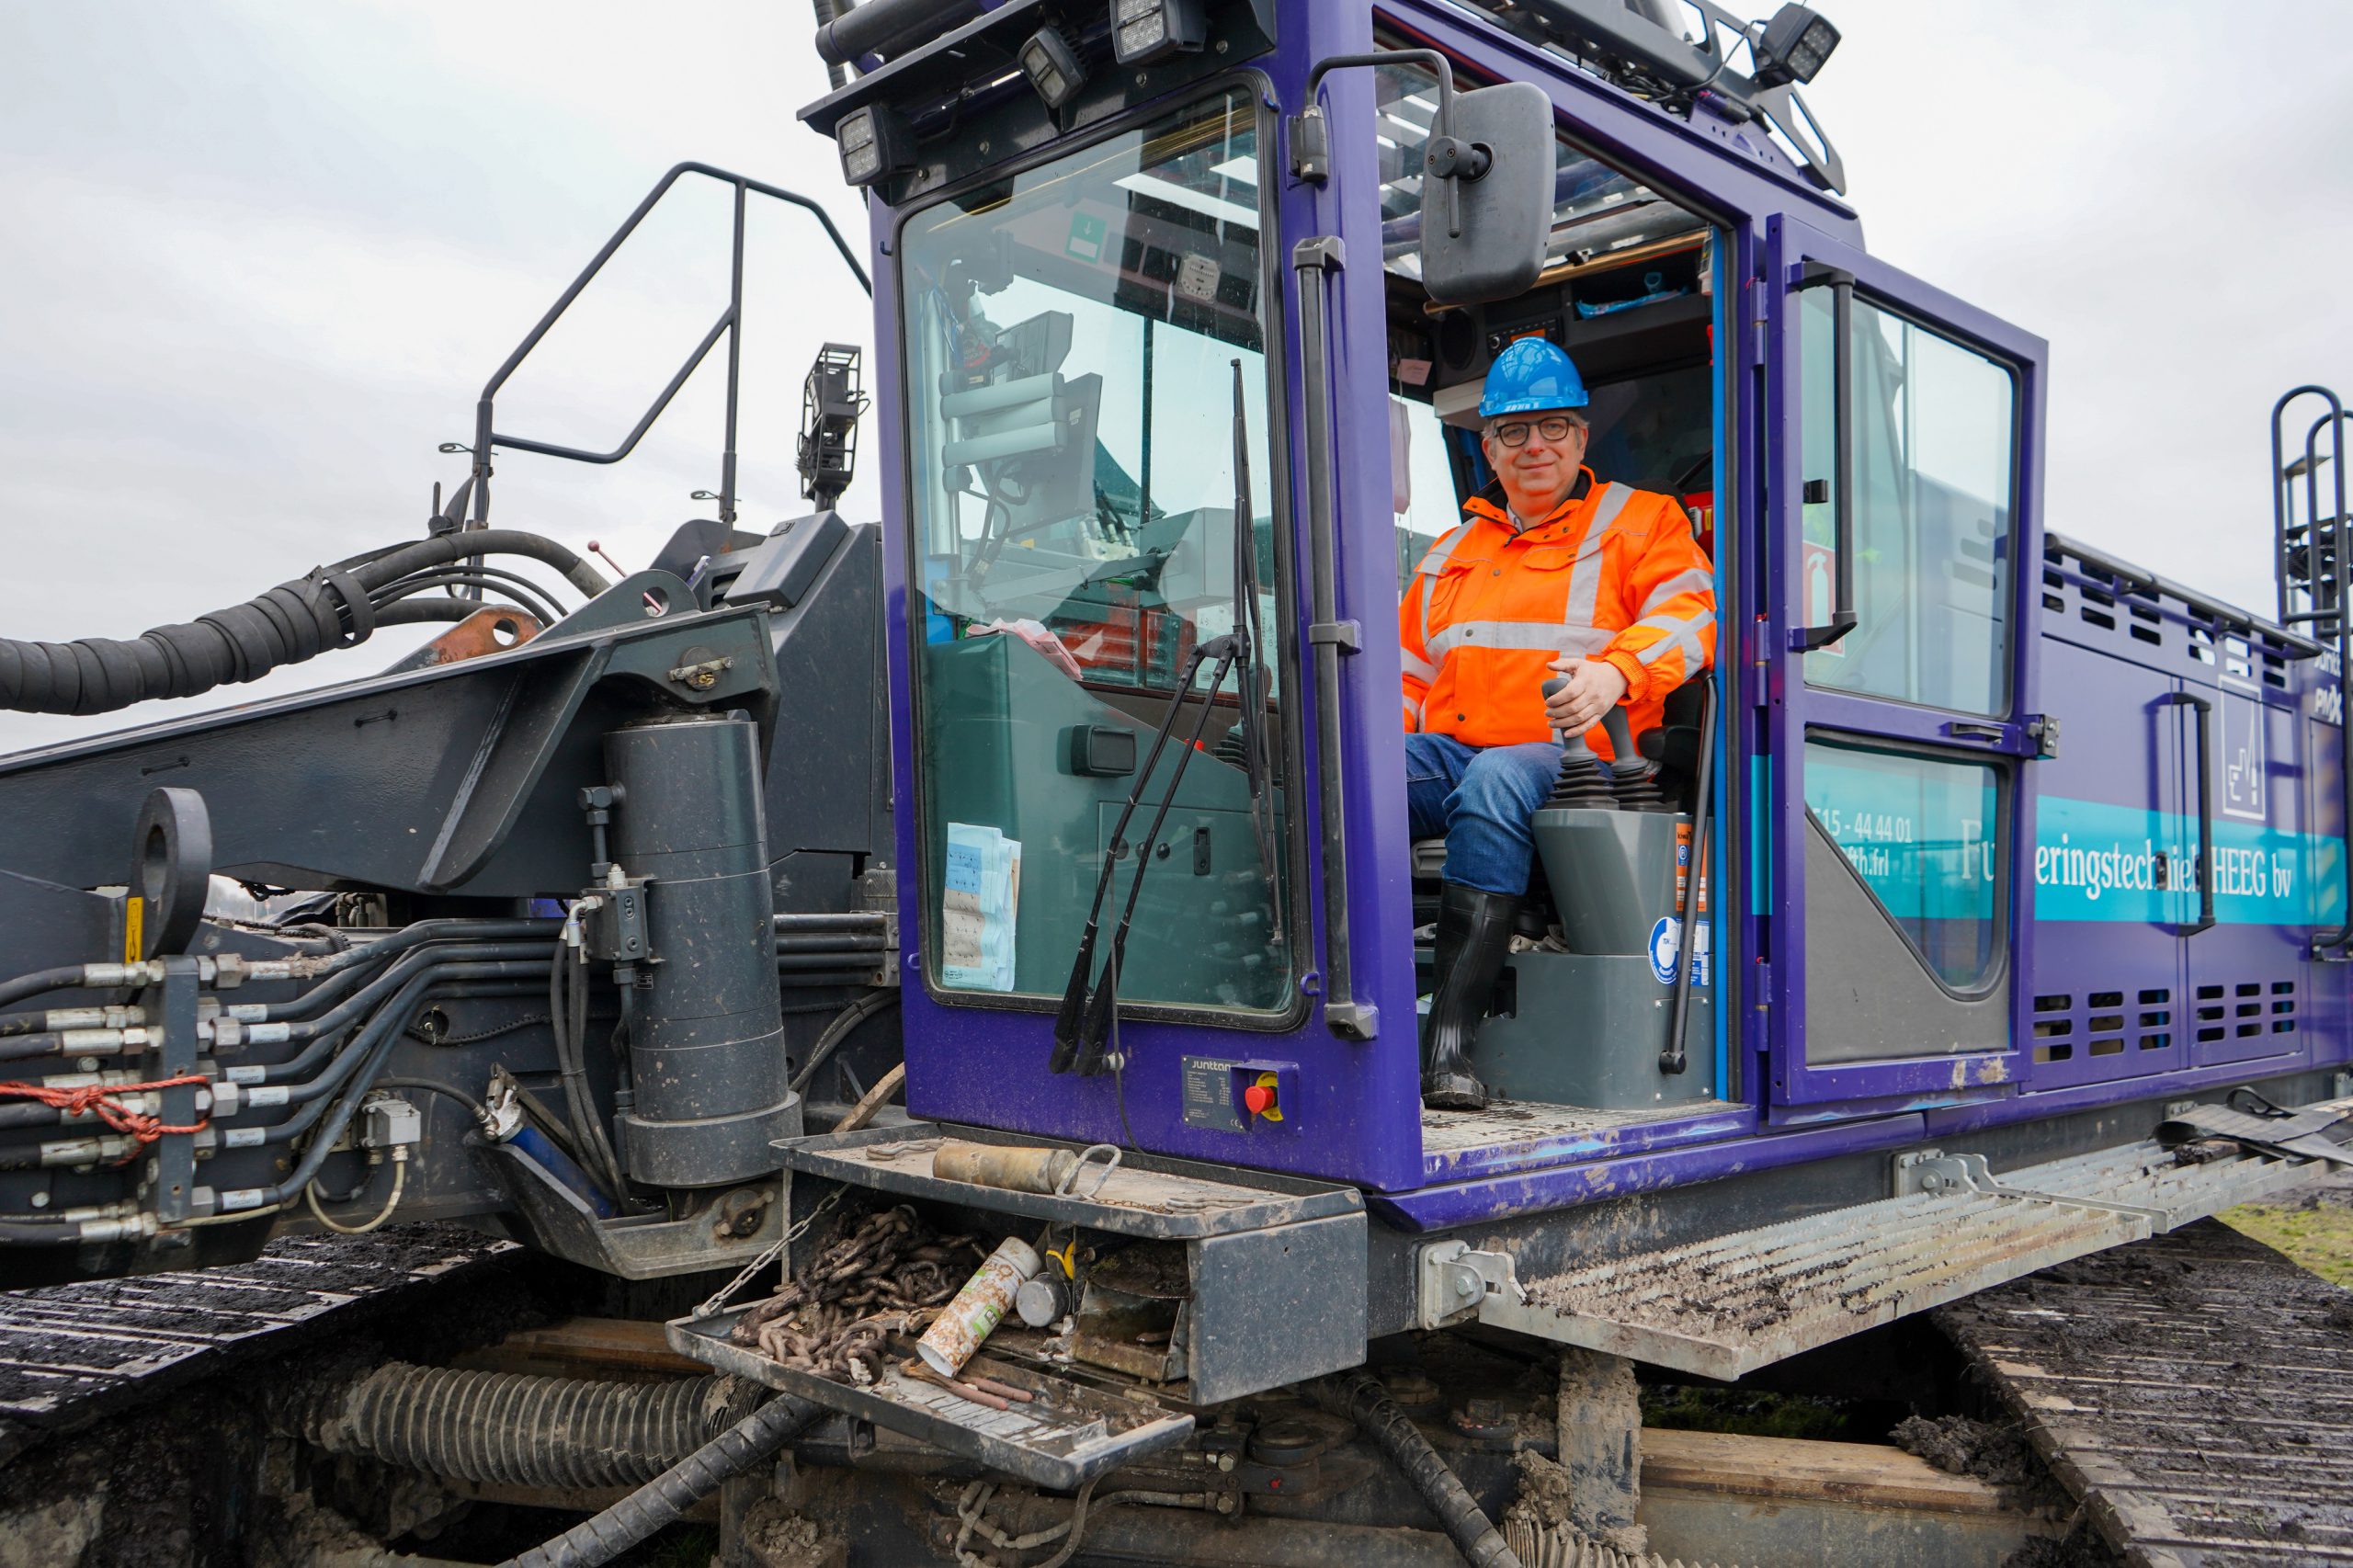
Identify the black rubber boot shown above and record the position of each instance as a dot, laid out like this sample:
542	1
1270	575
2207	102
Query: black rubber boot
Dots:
1474	936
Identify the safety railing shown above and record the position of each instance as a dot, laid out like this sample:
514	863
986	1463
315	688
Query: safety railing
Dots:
488	438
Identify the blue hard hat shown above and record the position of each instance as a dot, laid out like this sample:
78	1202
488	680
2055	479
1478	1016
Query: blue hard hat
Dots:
1529	376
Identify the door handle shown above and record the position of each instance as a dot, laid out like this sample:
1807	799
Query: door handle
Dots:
2205	808
1312	260
1806	639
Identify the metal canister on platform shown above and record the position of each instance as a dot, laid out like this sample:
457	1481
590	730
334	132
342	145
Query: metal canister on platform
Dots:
963	1322
1009	1166
1042	1301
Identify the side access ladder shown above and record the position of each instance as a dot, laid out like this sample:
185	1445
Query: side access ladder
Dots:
2312	578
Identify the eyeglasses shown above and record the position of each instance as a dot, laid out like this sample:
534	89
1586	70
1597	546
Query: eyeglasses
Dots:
1554	429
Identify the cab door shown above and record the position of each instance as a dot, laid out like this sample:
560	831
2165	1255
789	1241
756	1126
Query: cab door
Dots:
1899	655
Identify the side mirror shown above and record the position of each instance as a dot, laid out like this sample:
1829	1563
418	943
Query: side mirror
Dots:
1487	194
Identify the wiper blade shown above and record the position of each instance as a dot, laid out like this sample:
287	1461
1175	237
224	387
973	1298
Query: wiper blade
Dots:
1100	1006
1249	683
1083	1022
1069	1021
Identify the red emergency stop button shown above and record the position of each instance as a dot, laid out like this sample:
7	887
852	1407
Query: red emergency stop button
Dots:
1257	1099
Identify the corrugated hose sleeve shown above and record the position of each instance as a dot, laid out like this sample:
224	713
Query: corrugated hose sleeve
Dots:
292	623
509	1429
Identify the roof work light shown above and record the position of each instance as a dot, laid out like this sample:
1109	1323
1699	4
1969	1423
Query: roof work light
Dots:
1143	32
1794	47
1052	67
874	142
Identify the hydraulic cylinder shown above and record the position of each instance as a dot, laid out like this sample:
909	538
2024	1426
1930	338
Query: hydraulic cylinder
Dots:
707	1055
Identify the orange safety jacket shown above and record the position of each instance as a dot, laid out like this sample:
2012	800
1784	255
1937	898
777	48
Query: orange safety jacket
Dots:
1612	573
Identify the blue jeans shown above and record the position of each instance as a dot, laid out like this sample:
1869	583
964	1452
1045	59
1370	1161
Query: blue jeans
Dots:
1480	798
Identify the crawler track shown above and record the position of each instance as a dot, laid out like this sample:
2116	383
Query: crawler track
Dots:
2195	1392
73	1353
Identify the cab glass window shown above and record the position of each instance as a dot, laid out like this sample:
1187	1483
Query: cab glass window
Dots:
1920	834
1935	454
1072	338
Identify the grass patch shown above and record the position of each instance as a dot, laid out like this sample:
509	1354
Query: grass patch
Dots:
2316	1233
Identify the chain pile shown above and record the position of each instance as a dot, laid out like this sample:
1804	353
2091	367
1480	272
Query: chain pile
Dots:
873	1281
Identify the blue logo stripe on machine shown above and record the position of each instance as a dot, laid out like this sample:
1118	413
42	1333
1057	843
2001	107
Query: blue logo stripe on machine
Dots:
2097	861
1923	850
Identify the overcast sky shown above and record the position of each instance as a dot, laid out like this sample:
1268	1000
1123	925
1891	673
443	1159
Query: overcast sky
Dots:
258	259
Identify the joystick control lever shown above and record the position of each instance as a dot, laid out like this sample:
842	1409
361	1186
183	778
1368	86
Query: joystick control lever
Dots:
1581	781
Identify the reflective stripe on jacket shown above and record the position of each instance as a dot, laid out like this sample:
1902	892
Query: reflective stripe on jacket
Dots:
1613	574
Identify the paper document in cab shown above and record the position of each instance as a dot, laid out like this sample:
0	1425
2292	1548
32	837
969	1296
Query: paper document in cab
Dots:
979	901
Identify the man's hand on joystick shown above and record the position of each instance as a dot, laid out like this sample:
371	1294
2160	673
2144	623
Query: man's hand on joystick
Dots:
1589	687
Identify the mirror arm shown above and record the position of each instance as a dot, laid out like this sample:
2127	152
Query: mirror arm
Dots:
1444	157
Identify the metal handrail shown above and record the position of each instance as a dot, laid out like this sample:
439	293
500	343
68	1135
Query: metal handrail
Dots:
2282	504
2283	500
729	324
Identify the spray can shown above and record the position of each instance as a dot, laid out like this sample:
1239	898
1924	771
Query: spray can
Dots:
963	1322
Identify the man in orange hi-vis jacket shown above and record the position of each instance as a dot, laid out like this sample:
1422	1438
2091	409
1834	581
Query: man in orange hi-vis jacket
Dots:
1552	573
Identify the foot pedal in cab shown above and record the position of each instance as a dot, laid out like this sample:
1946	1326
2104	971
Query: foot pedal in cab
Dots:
1187	1285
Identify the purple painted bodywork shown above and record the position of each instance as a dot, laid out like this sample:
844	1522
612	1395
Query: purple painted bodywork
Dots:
1501	1198
1357	1116
1597	1143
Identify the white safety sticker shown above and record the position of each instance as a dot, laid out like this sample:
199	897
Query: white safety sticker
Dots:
1666	943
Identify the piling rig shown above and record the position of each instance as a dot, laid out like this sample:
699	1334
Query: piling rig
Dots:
1068	804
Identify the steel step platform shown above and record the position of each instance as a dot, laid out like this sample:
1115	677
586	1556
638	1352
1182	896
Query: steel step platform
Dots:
1067	1435
1728	1305
1262	1276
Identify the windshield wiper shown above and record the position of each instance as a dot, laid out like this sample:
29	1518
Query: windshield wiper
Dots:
1083	1022
1249	677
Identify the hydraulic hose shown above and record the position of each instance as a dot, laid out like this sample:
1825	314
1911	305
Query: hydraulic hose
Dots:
1359	1397
427	609
40	981
513	584
837	1031
449	926
663	1501
363	1057
450	964
428	553
294	621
